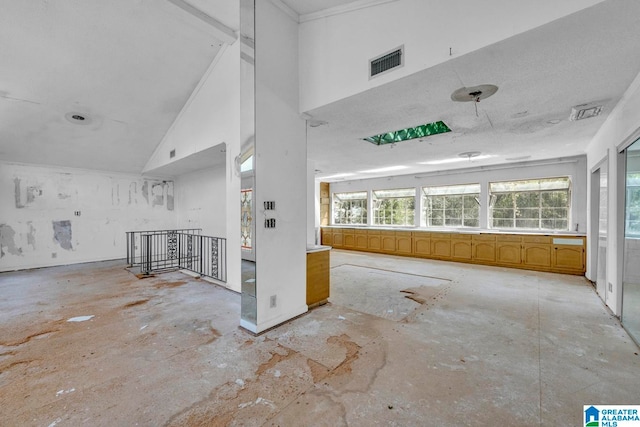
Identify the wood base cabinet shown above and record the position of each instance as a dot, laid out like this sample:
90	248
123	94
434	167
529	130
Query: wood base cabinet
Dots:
556	253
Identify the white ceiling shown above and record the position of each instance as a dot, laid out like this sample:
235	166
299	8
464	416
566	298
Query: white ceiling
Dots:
130	66
588	56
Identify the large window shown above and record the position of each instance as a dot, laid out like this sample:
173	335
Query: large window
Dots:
536	204
394	207
350	208
451	206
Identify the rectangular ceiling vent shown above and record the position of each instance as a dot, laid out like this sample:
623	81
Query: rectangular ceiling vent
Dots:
585	111
386	62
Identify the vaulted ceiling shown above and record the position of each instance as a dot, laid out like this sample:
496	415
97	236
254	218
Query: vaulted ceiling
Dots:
128	67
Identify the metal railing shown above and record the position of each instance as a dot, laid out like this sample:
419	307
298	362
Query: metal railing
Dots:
180	249
134	242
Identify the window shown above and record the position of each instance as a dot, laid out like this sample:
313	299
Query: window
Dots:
246	219
247	164
451	206
394	207
632	220
538	204
350	208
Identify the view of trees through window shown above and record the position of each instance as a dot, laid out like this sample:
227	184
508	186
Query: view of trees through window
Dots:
541	204
350	208
451	206
533	204
394	207
632	220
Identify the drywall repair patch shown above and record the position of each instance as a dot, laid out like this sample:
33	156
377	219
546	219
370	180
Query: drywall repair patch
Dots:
7	241
157	190
31	235
145	190
16	183
62	234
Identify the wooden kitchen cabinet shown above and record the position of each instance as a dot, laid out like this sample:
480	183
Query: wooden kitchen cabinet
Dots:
441	245
421	244
461	246
404	245
484	248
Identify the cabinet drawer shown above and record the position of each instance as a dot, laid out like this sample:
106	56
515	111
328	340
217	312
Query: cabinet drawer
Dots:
508	238
461	237
484	237
536	239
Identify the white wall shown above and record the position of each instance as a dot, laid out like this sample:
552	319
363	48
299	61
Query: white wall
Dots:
335	50
280	168
37	201
575	167
201	201
621	127
209	118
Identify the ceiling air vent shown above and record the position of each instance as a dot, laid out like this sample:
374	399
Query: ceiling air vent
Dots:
386	62
585	111
172	153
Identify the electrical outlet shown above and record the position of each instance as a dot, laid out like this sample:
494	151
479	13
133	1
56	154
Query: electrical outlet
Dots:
610	287
272	301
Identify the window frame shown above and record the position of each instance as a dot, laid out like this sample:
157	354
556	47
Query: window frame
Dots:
364	217
463	191
377	201
493	196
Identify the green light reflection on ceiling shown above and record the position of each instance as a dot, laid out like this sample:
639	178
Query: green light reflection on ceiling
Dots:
409	133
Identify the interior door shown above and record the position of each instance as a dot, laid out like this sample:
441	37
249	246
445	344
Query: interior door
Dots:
631	262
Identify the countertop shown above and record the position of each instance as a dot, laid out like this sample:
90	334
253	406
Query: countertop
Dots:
317	248
462	231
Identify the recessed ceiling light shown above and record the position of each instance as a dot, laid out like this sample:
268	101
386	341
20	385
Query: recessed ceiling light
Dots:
387	169
77	118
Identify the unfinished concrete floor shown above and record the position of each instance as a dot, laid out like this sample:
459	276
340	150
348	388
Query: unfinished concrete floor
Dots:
470	345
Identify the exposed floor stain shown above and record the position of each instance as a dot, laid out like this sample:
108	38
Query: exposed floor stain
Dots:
215	335
25	340
414	297
135	303
274	360
352	352
318	370
169	284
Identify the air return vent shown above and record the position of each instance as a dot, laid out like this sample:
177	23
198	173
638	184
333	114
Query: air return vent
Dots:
386	62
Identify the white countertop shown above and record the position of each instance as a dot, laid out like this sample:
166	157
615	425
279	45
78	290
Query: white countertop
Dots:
463	230
317	248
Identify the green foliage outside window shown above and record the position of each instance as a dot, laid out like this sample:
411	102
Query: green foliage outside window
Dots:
350	208
394	207
533	204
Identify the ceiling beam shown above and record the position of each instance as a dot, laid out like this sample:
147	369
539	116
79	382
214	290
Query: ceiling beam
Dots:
221	31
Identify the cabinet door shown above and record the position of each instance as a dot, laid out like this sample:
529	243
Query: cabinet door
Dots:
460	249
349	239
568	258
374	242
361	241
388	244
403	243
440	246
338	241
422	246
326	237
508	253
536	255
484	251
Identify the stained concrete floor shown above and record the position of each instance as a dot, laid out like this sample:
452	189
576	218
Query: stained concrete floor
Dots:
442	345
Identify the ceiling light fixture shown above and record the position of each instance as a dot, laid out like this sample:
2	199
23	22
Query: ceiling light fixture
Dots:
473	93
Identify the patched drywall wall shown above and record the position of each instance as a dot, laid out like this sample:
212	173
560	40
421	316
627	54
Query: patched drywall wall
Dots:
53	216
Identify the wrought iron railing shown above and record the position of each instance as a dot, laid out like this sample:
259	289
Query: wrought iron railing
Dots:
181	249
134	242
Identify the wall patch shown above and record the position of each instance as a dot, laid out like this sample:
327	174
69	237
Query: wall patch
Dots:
7	241
62	234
